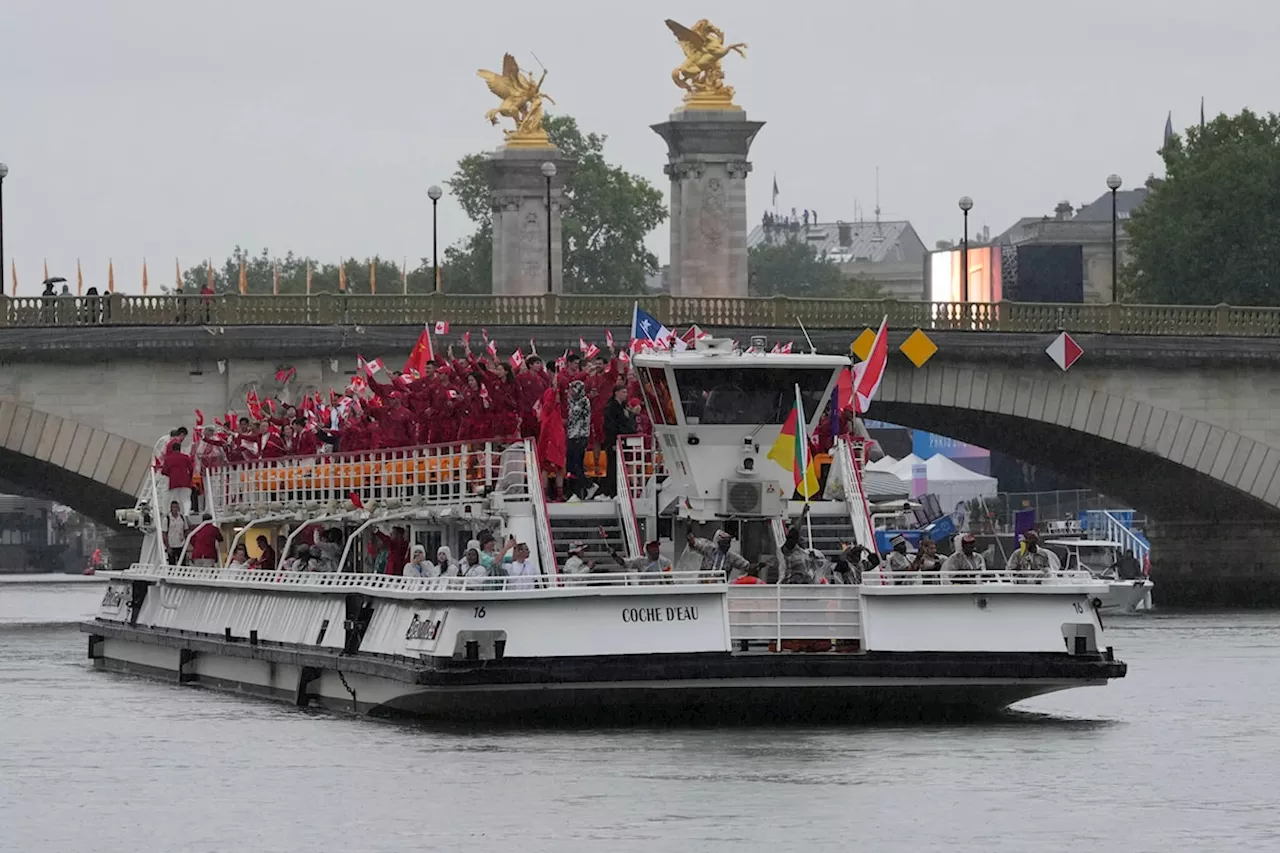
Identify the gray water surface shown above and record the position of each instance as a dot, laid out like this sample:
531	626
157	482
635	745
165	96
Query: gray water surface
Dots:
1179	756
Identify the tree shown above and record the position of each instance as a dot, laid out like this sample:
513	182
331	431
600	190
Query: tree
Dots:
606	215
793	268
1209	232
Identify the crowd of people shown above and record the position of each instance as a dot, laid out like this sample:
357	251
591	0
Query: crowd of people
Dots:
573	408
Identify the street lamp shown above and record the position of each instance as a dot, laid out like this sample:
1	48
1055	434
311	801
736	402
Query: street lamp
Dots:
1113	184
548	172
434	193
966	204
4	170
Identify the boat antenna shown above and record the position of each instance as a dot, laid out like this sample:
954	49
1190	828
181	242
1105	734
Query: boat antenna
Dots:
812	350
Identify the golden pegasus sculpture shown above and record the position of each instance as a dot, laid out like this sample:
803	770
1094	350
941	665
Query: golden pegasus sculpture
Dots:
700	75
522	99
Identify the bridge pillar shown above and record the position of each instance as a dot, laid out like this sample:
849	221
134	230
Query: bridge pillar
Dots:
1202	563
519	201
707	163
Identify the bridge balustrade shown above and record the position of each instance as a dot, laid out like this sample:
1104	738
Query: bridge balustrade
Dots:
117	309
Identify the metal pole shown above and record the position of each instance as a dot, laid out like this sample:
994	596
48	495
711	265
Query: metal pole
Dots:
549	279
2	236
435	245
964	261
1115	264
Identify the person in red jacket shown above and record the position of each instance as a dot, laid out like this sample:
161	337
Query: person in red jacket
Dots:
552	443
178	467
204	543
397	549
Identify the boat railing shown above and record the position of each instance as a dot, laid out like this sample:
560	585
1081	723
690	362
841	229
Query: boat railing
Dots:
446	474
776	613
1113	525
639	462
626	493
851	457
879	577
534	482
353	581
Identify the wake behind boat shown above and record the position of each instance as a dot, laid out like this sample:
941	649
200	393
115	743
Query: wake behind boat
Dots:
575	609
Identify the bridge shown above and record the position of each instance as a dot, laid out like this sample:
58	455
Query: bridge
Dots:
1172	408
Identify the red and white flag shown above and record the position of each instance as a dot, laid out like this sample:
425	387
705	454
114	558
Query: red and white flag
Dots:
466	338
517	359
442	328
283	376
421	353
491	346
533	348
786	348
608	338
369	367
868	374
693	334
588	350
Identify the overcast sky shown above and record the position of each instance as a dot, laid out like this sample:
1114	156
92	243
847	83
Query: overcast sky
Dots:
159	129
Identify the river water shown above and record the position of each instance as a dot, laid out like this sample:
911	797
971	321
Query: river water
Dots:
1182	755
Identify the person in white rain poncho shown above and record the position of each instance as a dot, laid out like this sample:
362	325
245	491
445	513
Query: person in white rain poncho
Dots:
470	566
716	556
444	562
576	563
419	566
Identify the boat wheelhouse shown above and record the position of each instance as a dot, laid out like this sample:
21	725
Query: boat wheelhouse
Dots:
627	643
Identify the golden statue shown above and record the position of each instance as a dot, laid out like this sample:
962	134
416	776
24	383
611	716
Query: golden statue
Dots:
700	74
522	99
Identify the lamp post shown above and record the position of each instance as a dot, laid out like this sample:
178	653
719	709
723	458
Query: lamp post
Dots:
549	172
966	204
4	170
1113	184
434	193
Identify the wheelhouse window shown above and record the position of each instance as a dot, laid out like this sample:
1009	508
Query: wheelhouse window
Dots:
749	395
657	396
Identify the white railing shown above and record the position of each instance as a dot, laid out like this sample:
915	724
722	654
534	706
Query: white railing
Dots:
879	577
1104	523
356	582
541	517
776	613
436	474
638	461
851	456
626	498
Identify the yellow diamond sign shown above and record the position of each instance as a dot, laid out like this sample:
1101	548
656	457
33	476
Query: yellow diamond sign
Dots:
862	346
918	348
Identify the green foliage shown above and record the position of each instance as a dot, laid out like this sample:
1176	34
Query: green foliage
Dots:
793	268
1209	232
606	216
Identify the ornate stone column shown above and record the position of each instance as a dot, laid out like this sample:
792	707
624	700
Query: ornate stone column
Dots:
707	163
520	214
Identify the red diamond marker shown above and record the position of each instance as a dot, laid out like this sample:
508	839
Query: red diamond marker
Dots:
1064	351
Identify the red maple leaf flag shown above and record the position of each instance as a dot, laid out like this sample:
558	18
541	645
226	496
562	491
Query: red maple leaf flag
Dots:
421	353
517	359
492	347
608	338
588	350
442	328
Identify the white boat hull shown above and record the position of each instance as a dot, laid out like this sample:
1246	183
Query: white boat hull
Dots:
1126	597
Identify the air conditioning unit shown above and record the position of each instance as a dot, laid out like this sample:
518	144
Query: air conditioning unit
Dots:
761	498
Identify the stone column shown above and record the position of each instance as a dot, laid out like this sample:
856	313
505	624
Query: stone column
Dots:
520	219
707	162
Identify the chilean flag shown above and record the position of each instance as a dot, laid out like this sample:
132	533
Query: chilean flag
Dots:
868	374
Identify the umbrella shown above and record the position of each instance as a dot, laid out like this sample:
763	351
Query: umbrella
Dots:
57	279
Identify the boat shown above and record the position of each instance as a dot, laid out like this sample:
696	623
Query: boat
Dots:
1099	557
682	643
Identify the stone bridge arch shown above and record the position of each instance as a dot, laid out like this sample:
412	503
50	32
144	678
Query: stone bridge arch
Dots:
1175	463
93	471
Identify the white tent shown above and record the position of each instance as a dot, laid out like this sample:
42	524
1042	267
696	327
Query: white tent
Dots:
953	483
900	468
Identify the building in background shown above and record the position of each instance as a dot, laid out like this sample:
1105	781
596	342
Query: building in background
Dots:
1066	257
890	255
42	536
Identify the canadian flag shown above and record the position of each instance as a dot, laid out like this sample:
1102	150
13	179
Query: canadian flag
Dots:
786	348
867	374
588	350
372	367
533	348
442	328
517	359
693	334
608	338
492	347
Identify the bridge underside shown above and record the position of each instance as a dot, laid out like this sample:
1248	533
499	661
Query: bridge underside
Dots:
25	475
1213	545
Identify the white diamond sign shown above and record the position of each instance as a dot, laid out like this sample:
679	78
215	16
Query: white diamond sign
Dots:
1064	351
